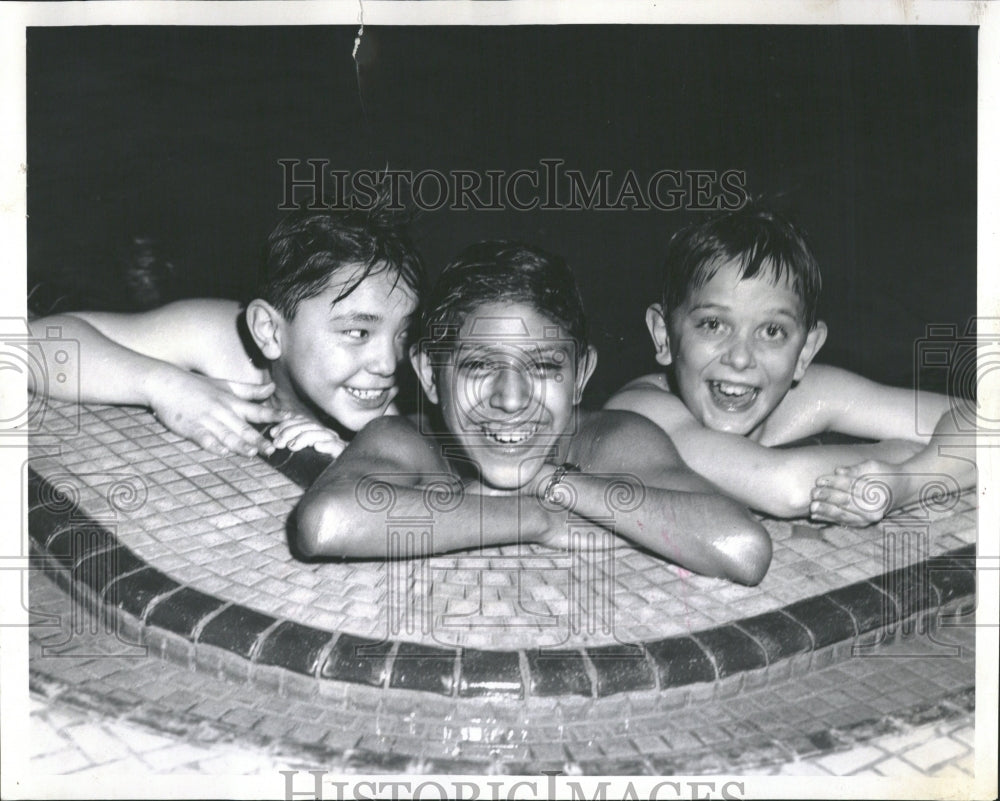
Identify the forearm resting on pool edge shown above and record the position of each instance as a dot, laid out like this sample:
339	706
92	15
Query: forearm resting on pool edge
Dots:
332	521
705	532
779	481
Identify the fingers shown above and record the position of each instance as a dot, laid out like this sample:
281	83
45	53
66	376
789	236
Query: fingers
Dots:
216	414
261	413
233	436
300	432
222	442
250	392
824	512
833	495
833	500
333	446
224	432
287	430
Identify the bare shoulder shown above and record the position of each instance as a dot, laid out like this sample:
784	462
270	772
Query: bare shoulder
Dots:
392	442
650	397
816	403
832	399
207	311
654	381
825	381
198	318
615	439
198	334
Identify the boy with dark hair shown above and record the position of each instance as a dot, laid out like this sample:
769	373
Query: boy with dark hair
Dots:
504	360
738	332
315	351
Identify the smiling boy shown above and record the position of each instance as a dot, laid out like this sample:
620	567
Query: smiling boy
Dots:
315	351
503	361
736	329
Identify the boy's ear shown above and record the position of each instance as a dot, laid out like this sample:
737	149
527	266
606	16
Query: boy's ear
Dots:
425	372
264	323
656	322
584	370
814	341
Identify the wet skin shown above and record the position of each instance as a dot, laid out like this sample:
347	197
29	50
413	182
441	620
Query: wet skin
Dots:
340	357
736	347
509	392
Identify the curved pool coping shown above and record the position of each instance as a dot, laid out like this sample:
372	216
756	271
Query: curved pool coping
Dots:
199	629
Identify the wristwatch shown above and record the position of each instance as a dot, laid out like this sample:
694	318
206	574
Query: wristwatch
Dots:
556	479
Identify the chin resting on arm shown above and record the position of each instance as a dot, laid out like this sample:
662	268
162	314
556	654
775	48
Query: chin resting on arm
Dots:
389	465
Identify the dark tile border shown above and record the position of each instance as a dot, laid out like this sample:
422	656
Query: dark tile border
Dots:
87	554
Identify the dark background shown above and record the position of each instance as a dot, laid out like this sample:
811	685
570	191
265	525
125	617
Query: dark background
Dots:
866	135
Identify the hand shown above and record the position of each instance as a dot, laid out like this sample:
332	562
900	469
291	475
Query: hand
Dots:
215	413
859	495
299	431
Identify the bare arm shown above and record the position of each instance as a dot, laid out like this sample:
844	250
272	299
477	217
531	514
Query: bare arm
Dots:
778	482
633	474
140	359
863	493
107	371
389	466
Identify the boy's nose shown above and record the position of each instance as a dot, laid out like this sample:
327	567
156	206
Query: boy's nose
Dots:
739	354
511	390
383	357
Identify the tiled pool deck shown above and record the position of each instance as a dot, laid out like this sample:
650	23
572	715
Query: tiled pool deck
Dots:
515	660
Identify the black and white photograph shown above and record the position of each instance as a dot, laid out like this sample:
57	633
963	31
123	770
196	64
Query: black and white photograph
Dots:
499	400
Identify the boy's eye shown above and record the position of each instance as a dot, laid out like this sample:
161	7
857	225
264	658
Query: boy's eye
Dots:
478	366
356	333
710	324
546	367
773	331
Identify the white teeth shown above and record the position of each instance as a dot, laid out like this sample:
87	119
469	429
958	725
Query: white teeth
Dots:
365	394
734	390
509	437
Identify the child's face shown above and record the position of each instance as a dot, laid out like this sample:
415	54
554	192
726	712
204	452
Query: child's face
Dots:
342	356
509	390
736	346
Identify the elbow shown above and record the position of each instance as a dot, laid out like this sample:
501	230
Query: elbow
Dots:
746	553
317	529
790	498
788	508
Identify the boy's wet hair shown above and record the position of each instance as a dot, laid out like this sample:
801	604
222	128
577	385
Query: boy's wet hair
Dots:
308	247
764	243
503	272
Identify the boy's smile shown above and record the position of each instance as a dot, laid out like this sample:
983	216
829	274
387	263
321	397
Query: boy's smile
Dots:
509	391
736	347
340	356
